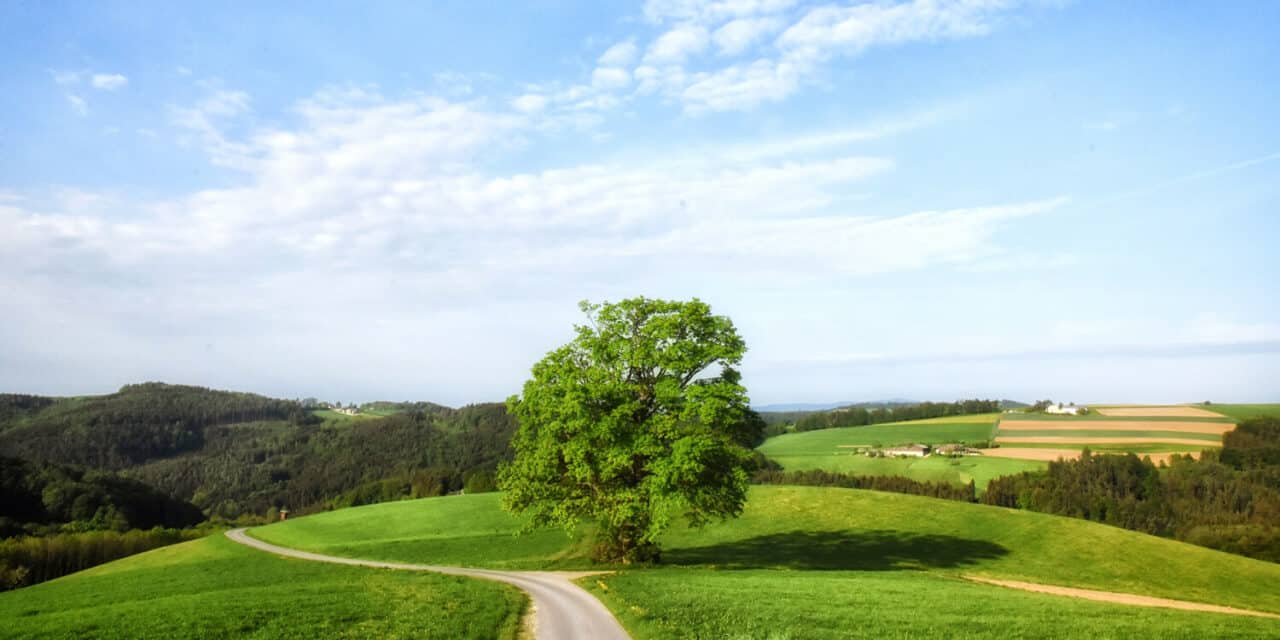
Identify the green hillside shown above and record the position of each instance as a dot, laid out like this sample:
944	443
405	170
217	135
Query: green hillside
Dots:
1245	411
800	563
213	587
806	528
832	450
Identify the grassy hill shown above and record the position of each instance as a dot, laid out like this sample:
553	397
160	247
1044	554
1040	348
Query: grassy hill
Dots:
800	563
1244	411
832	450
808	528
213	588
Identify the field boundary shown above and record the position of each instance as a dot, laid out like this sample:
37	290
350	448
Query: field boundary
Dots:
1114	597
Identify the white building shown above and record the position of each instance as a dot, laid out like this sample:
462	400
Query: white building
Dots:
1066	409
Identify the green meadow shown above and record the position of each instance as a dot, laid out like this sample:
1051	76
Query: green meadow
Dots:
801	562
1244	411
833	605
212	588
830	450
807	532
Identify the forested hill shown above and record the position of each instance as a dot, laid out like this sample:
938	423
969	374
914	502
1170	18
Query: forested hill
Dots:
239	453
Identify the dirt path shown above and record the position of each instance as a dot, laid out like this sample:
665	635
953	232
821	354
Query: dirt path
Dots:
1120	598
561	609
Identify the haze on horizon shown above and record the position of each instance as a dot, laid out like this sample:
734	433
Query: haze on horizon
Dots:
929	200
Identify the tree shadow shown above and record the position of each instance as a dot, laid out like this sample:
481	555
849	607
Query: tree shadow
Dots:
861	550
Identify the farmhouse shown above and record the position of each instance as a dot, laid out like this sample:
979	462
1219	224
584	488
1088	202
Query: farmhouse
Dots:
1070	409
914	450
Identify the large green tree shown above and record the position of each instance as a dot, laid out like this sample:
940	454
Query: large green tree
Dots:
640	419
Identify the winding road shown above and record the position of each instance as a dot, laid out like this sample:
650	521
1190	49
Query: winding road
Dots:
561	609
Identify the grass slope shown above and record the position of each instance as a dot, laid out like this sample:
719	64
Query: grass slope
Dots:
1244	411
212	588
808	531
833	605
822	449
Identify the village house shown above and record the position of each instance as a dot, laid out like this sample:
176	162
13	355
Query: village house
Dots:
913	450
1070	409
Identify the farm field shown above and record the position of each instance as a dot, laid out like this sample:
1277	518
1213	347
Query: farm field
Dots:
978	469
808	532
1158	412
1243	411
830	450
213	587
1158	431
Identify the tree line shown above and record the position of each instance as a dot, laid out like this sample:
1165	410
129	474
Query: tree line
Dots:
29	560
1227	500
860	416
892	484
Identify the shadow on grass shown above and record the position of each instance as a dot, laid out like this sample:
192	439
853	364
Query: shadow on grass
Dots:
872	550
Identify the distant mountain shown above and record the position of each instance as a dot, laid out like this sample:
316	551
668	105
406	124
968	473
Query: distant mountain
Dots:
1012	404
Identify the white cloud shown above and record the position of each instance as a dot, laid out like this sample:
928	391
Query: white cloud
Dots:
108	81
530	103
619	55
674	46
608	78
736	36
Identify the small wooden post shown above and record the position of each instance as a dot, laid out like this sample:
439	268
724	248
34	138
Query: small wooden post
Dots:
284	514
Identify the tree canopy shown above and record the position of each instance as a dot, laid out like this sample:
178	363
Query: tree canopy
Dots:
630	424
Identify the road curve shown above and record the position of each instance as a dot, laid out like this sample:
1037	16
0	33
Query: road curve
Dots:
561	609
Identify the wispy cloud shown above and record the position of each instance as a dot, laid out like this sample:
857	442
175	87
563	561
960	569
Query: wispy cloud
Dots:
108	81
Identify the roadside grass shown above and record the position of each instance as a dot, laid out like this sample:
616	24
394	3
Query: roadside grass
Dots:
789	605
1237	412
213	587
979	469
805	533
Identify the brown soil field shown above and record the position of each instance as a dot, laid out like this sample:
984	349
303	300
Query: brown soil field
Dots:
1115	425
1102	440
1158	412
1049	455
1120	598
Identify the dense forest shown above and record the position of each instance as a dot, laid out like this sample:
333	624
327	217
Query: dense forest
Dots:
237	453
857	416
1228	500
40	498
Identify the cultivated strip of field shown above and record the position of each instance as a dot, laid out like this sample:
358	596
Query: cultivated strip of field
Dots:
1099	440
1158	412
1215	428
1049	454
1211	439
1121	598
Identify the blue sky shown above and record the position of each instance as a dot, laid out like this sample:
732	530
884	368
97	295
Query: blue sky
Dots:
932	200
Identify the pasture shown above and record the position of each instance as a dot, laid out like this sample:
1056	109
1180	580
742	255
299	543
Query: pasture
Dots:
809	531
213	587
834	450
